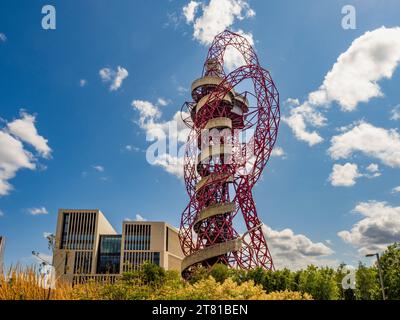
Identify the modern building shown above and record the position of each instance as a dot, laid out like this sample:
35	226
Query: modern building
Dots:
88	247
2	243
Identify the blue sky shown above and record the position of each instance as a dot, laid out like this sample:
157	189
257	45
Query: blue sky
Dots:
62	85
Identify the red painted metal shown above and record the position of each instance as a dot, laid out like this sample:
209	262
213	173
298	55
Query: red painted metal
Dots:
245	164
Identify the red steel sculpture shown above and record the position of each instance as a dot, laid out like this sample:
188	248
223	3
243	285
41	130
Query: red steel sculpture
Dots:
221	166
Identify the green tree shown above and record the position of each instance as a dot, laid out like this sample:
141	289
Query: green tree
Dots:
320	283
257	275
390	264
220	272
152	274
367	284
343	294
199	273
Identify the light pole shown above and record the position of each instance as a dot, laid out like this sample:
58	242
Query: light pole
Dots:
380	272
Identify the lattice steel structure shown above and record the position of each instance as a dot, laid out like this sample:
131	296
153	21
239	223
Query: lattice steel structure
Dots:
222	163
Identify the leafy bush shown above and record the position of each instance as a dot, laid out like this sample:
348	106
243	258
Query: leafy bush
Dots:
219	283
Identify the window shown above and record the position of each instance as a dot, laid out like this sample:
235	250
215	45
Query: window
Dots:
109	254
166	240
65	231
83	262
137	236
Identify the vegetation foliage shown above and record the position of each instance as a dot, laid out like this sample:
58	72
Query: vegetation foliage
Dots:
220	283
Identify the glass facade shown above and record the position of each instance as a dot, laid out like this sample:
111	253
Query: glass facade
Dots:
109	254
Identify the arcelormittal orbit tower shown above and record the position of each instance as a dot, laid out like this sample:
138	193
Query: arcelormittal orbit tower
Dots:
234	119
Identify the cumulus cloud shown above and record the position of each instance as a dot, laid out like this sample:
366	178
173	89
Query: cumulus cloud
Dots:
140	218
13	155
215	17
233	59
114	77
396	190
372	171
1	213
378	143
156	130
344	175
171	164
37	211
189	11
379	226
82	82
24	129
278	152
295	251
3	37
148	112
300	117
395	113
353	79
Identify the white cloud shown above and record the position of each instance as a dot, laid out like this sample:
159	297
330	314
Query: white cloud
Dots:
3	37
189	11
295	251
278	152
24	129
233	59
373	168
1	213
171	164
105	74
353	79
372	141
162	102
115	77
396	190
47	234
395	113
373	171
147	110
82	82
137	218
98	168
140	218
379	227
37	211
216	17
344	175
299	117
13	155
174	129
